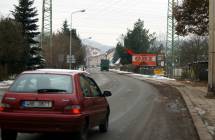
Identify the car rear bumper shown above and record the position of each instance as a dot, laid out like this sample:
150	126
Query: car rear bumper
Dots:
23	122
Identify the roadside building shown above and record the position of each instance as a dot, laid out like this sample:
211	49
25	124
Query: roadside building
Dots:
94	61
110	54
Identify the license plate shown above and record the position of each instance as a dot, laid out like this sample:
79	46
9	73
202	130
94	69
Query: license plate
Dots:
37	104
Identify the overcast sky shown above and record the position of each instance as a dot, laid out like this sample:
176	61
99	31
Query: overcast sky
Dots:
104	20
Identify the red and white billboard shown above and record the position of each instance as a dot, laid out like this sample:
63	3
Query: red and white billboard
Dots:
144	59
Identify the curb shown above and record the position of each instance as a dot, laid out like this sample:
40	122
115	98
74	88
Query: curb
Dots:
199	124
202	131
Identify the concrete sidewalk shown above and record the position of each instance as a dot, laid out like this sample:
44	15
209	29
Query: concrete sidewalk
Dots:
201	108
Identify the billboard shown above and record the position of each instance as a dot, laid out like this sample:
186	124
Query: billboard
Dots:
144	59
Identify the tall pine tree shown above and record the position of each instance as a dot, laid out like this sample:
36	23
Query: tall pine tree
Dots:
25	14
138	39
65	29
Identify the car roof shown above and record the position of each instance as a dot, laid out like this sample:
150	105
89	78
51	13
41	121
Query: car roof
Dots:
57	71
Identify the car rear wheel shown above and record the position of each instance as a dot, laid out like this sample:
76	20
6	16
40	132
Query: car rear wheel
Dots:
104	126
8	135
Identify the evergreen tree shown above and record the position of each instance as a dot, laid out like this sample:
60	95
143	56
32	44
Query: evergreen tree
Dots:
11	43
125	58
36	58
192	17
139	39
116	55
26	14
65	29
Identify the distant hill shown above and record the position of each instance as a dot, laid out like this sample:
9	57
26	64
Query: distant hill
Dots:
94	44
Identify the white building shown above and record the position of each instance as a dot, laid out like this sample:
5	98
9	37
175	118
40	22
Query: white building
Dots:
94	61
110	54
93	51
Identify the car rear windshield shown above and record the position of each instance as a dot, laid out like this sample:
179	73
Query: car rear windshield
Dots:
42	83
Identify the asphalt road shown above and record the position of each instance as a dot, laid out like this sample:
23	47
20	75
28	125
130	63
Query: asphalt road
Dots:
138	112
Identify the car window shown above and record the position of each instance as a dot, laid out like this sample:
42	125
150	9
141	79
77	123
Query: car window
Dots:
36	82
96	92
30	85
85	86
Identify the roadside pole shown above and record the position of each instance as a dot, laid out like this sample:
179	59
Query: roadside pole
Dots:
211	57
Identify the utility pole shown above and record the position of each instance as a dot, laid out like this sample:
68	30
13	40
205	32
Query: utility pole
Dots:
47	26
211	58
171	37
71	57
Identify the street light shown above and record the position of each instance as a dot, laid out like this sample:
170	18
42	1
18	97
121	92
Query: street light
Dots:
70	42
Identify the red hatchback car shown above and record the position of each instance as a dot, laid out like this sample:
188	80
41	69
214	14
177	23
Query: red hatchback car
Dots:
52	100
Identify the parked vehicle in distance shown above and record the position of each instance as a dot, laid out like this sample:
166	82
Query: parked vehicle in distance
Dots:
53	100
104	64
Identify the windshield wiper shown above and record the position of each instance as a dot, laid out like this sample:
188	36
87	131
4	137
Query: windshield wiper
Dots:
50	90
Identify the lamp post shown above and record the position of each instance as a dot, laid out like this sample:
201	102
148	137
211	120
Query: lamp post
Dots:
70	40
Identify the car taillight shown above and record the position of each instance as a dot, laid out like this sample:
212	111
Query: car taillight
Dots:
73	109
1	108
4	106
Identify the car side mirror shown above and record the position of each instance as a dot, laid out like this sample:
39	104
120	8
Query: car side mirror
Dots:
107	93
